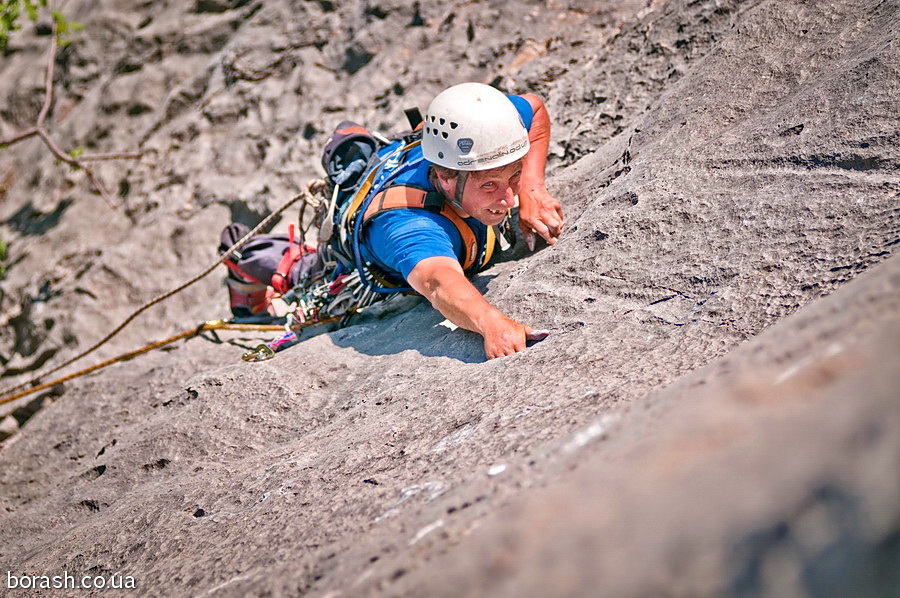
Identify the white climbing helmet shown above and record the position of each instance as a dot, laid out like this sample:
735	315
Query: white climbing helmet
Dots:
472	126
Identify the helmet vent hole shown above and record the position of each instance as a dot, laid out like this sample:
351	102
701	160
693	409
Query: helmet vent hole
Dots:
441	155
432	118
443	121
453	125
445	135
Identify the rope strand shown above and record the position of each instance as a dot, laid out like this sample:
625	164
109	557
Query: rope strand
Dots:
213	325
315	185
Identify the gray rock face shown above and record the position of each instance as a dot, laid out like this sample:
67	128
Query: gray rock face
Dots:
714	413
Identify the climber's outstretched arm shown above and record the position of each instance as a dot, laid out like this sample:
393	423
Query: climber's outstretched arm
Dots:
442	282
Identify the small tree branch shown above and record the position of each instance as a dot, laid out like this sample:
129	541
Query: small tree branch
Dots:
107	197
119	156
48	87
74	163
56	150
19	137
39	130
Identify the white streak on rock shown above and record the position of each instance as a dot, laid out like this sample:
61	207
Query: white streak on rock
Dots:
426	530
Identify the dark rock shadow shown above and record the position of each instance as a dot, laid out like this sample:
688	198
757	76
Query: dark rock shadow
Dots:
852	563
29	221
36	364
249	214
421	328
403	323
409	323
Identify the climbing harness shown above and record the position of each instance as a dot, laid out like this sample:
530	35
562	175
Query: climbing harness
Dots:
476	254
375	195
327	302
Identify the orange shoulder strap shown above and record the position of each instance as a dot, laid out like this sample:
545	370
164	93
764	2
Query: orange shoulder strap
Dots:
407	197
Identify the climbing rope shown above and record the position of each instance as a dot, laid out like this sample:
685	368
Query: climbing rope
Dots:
205	326
308	195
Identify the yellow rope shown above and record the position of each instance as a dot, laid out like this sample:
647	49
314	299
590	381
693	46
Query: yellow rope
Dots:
314	186
213	325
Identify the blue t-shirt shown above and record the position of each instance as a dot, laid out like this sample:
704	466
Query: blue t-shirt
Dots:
397	240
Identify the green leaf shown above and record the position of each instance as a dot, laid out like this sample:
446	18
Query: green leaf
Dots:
64	27
11	11
76	152
32	9
9	14
2	258
61	24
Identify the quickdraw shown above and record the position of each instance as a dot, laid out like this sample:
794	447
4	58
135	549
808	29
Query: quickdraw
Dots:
327	302
287	339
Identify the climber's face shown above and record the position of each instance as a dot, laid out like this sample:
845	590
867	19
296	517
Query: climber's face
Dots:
489	195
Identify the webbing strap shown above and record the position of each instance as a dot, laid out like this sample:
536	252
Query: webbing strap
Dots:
489	246
281	279
357	226
363	201
360	196
232	266
407	197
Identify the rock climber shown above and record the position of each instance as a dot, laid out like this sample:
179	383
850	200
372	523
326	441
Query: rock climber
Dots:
430	226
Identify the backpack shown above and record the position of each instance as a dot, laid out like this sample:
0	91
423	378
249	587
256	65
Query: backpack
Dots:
354	159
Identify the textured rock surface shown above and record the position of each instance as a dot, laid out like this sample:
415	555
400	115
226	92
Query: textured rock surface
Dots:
683	431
